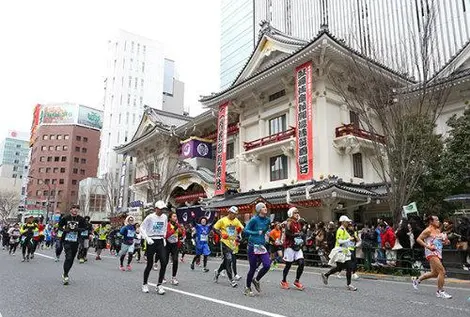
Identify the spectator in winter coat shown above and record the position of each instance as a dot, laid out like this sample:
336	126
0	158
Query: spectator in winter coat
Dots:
387	236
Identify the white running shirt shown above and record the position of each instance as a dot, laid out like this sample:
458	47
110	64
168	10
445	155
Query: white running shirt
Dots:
154	226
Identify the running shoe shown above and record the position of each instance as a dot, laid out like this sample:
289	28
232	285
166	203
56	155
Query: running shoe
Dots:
216	275
284	285
443	294
32	256
205	270
233	283
174	281
13	254
164	281
81	261
223	273
298	285
182	260
415	283
145	288
248	292
27	258
155	267
122	268
65	280
24	259
237	277
160	290
192	266
98	258
256	285
324	278
355	276
350	287
129	267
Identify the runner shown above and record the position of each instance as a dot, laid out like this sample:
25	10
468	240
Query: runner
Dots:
275	241
14	234
432	241
228	228
341	254
256	230
85	236
27	242
127	246
174	234
71	225
202	243
102	232
138	242
293	249
153	230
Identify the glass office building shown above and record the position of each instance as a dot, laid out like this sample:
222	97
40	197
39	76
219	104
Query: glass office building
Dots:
14	155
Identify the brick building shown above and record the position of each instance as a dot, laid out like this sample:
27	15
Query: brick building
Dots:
61	156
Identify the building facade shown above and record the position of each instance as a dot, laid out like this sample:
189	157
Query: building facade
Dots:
387	30
93	198
137	75
65	142
14	154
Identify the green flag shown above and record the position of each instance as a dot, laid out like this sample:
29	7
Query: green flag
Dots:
411	208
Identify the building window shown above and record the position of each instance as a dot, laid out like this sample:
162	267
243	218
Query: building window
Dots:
17	153
49	158
75	171
38	193
230	151
58	148
41	170
46	193
141	84
51	148
61	181
52	137
65	148
18	145
76	160
54	181
66	137
128	99
141	101
83	161
15	168
14	175
84	150
62	169
143	67
42	159
357	165
278	167
85	139
127	117
277	95
74	182
135	82
43	148
133	115
130	81
47	181
64	159
78	138
56	158
354	119
55	170
119	121
82	172
72	193
48	169
135	102
59	136
16	161
77	149
45	137
277	125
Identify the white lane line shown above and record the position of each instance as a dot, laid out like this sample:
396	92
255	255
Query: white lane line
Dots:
43	255
222	302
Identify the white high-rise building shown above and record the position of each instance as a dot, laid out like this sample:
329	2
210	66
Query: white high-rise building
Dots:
386	30
135	78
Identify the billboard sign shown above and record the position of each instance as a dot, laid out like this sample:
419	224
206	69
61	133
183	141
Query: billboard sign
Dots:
90	117
58	114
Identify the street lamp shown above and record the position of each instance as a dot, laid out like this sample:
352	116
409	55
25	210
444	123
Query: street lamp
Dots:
48	196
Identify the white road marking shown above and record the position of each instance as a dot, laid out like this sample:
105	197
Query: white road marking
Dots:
222	302
45	256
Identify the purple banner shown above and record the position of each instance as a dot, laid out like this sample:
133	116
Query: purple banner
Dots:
196	148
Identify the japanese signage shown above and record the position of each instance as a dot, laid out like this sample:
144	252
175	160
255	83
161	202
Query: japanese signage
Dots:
303	89
58	114
90	117
34	125
196	147
221	155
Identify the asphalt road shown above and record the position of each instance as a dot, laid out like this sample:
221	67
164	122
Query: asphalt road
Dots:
98	288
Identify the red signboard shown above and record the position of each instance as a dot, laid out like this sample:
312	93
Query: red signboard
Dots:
303	95
34	125
221	155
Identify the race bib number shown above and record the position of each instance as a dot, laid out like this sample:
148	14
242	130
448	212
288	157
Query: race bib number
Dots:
158	228
71	236
130	233
60	233
259	249
23	239
131	249
203	238
173	238
231	231
36	234
84	233
298	241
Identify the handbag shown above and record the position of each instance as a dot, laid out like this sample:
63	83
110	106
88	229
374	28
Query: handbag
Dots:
462	245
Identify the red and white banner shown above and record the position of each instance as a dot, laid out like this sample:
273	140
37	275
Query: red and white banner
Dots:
221	155
303	95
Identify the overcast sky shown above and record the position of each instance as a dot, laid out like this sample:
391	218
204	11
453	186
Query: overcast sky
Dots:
55	51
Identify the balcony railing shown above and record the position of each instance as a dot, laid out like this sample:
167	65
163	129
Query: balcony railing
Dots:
146	178
351	129
281	136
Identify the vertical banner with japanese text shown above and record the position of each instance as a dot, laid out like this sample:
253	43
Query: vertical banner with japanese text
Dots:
303	95
221	155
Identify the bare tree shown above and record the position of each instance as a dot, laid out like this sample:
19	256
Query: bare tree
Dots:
9	200
88	197
160	164
109	187
402	110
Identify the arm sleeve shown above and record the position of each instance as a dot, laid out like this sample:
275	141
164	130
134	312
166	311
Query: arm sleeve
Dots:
249	228
341	237
143	228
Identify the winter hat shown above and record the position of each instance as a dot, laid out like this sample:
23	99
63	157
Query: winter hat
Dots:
260	206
